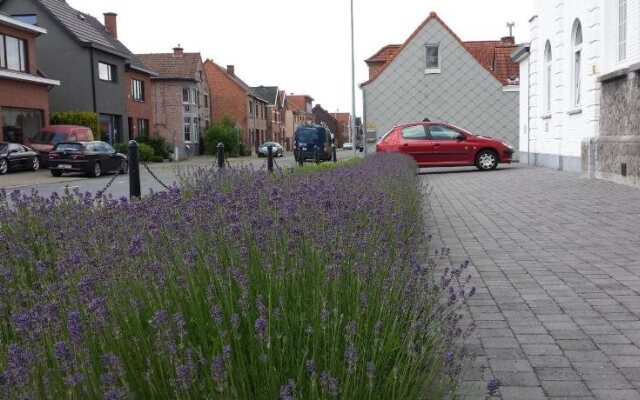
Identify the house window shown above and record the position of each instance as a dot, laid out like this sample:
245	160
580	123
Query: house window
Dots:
143	127
30	19
547	77
432	58
206	100
187	129
622	30
137	90
13	53
185	95
577	62
195	129
106	72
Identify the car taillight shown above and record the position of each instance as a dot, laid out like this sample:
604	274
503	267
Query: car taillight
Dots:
77	156
54	155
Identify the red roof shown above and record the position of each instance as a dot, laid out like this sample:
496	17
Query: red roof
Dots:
493	55
169	66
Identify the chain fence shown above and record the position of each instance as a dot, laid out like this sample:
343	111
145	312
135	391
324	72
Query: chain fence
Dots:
154	176
123	167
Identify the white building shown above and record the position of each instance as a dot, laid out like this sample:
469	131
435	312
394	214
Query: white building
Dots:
579	92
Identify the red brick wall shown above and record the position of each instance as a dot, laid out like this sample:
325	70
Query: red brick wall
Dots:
167	111
227	97
31	47
19	94
139	109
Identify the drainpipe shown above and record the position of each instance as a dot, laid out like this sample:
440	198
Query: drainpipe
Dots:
529	110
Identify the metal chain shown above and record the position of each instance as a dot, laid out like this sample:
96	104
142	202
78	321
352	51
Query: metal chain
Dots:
99	193
154	176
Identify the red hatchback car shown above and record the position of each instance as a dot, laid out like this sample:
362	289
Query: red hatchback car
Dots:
438	144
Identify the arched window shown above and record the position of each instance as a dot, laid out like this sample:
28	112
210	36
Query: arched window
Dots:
547	77
576	70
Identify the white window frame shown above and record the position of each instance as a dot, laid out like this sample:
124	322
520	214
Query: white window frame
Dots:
137	90
622	19
548	74
186	130
430	69
576	69
21	55
110	72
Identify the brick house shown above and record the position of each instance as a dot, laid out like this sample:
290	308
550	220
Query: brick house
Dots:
343	131
325	118
234	98
275	112
137	82
24	94
89	62
435	74
181	100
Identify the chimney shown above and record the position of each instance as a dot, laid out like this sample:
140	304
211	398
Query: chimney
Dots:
177	51
507	41
231	70
111	23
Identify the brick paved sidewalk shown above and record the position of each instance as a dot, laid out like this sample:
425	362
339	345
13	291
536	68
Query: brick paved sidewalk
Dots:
556	264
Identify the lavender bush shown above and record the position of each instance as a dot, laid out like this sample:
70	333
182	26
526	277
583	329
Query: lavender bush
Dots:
237	284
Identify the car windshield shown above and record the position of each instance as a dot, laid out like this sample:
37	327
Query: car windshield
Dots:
307	134
267	144
69	147
48	138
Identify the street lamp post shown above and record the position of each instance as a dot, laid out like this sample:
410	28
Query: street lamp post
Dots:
353	88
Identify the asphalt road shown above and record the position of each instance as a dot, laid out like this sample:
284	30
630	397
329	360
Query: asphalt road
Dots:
44	184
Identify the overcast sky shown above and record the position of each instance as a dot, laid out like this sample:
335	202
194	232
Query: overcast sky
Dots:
301	46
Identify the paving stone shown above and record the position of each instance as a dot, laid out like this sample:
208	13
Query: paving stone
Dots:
541	349
566	388
535	339
613	394
576	344
512	365
521	393
549	361
517	378
557	374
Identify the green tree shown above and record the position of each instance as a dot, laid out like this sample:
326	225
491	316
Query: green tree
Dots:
224	132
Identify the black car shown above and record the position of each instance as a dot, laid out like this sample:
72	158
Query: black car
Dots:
17	156
93	158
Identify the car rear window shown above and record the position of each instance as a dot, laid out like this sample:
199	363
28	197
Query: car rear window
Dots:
69	147
307	134
48	138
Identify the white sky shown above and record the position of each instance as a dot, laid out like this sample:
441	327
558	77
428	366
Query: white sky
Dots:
301	46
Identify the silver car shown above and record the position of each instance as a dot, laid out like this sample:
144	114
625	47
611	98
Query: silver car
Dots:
277	149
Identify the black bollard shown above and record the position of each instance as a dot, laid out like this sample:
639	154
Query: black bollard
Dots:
134	171
220	155
316	155
270	158
301	156
334	156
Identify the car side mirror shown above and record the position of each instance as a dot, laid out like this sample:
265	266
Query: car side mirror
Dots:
461	138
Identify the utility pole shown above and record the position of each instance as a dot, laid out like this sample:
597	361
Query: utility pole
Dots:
353	88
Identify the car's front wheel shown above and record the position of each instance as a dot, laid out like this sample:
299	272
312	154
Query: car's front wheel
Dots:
97	170
4	166
35	164
486	160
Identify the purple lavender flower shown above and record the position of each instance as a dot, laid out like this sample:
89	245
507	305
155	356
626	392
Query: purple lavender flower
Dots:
448	358
216	314
351	356
261	328
226	351
310	366
63	356
75	327
219	373
472	291
235	321
492	386
371	370
159	319
351	328
288	391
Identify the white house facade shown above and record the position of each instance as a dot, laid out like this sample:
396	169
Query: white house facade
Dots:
579	91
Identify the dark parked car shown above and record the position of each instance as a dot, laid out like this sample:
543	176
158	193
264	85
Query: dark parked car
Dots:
17	156
438	144
278	150
93	158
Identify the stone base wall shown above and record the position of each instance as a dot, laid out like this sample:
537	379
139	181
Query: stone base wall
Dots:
615	154
555	161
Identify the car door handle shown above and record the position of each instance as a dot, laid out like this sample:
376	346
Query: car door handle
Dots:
405	144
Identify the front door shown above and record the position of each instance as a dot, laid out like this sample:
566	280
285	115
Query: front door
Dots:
450	147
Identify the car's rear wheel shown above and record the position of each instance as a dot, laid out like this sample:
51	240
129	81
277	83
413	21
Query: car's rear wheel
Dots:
97	170
35	163
4	166
125	168
486	160
56	172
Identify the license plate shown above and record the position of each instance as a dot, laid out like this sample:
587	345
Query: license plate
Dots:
64	166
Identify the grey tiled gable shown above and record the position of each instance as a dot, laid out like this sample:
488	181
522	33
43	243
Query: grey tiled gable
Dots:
268	93
77	23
